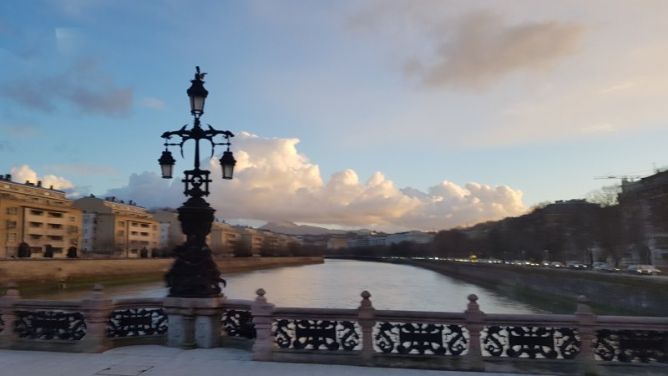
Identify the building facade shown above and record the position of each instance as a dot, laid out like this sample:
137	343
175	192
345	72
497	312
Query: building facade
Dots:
224	239
119	229
40	217
644	212
171	235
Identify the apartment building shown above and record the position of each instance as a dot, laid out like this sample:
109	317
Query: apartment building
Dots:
644	209
40	217
224	239
115	228
170	228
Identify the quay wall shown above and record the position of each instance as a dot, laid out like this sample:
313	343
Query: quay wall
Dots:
557	290
33	272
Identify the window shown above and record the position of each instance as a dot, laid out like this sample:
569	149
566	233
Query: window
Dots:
12	211
55	237
35	236
36	212
11	237
35	224
55	226
55	215
144	233
11	224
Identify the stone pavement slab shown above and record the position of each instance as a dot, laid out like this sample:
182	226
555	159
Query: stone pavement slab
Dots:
152	360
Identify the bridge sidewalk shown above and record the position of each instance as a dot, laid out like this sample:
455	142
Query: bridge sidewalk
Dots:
154	360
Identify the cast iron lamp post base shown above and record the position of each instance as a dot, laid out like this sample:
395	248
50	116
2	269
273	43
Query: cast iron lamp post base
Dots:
194	274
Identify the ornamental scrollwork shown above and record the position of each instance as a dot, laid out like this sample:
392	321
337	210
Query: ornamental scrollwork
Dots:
48	325
631	346
327	335
238	323
531	342
420	338
137	322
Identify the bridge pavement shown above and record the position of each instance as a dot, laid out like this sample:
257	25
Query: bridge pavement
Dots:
153	360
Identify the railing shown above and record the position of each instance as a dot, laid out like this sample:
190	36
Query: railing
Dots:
582	343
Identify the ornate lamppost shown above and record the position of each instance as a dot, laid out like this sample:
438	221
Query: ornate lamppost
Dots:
194	274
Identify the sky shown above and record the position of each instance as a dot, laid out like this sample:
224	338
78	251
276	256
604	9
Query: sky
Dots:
383	114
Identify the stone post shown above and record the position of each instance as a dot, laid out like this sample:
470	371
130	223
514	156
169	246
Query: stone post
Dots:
585	320
475	319
262	312
207	322
96	309
7	334
366	318
193	322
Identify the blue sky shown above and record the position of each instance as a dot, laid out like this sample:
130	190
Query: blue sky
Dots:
526	100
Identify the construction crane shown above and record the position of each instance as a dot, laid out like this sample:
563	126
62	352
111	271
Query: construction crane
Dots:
623	178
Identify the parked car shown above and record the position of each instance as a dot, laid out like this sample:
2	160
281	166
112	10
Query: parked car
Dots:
601	266
556	264
643	269
576	265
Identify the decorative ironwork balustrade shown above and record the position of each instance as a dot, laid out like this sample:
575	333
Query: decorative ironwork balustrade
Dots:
470	340
628	346
136	322
420	338
531	342
49	325
238	323
330	335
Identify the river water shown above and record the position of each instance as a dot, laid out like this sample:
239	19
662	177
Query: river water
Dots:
338	284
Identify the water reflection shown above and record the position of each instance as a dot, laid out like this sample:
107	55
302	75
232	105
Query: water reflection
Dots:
338	283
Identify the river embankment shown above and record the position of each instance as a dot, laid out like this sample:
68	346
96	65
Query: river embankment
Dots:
42	275
556	290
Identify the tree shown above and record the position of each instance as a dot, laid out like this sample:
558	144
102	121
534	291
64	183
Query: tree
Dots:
606	196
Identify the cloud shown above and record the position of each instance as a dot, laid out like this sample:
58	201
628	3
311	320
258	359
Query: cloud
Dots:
483	49
22	131
83	86
274	181
24	173
150	190
153	103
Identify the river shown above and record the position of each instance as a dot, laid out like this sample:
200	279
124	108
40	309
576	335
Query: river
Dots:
338	284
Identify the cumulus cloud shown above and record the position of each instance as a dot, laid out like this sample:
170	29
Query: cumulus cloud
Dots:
24	173
150	190
274	181
483	49
83	86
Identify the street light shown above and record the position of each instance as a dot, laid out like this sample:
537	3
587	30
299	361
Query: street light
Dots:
194	274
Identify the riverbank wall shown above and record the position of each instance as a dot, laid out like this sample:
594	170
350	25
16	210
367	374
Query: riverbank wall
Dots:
47	274
556	290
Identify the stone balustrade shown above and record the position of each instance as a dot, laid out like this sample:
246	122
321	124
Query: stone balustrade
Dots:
581	343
